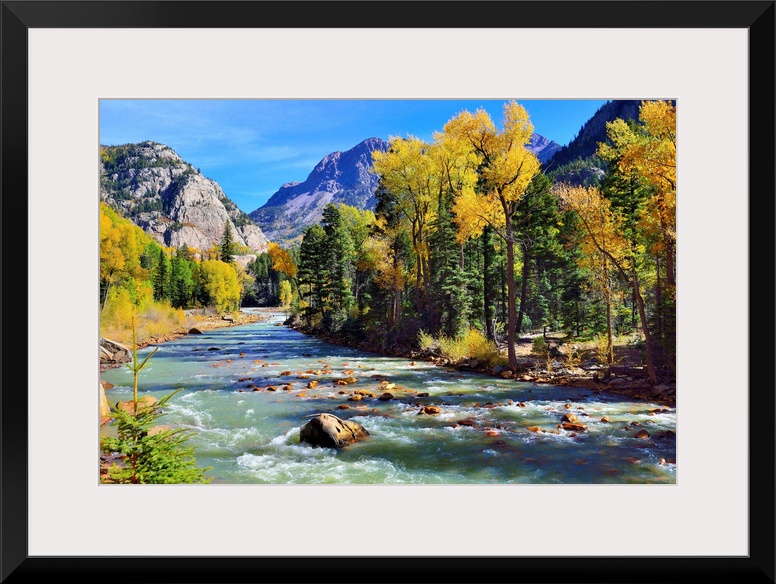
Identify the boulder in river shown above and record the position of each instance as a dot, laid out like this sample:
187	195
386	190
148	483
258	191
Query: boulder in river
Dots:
142	402
104	406
112	352
328	431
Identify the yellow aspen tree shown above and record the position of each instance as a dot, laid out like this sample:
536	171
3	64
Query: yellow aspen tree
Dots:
380	256
408	171
286	296
506	168
603	229
222	284
281	260
648	151
120	245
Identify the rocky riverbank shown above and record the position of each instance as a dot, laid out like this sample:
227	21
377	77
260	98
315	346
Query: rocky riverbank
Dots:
628	380
208	323
114	354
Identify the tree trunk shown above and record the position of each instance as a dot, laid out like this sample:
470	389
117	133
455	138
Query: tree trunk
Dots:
647	337
670	275
523	289
511	321
608	296
426	293
658	301
105	298
487	260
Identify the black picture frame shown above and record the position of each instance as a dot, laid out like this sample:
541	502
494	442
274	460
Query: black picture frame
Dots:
19	16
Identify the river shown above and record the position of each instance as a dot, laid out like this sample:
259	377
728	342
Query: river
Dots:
252	437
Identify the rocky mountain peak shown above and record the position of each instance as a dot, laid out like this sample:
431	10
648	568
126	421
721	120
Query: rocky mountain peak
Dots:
340	177
542	147
171	200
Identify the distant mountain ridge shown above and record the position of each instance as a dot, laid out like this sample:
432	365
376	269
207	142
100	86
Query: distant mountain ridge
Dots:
543	148
577	163
171	200
340	177
593	131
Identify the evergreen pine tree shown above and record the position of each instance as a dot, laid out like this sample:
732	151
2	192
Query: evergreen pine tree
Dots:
162	277
149	455
340	258
227	247
448	279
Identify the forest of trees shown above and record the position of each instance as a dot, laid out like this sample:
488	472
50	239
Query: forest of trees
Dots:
470	239
138	275
471	236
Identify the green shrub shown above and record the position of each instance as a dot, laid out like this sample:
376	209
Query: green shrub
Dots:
539	347
151	458
425	340
471	344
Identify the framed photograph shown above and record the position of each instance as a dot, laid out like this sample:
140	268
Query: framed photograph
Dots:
78	77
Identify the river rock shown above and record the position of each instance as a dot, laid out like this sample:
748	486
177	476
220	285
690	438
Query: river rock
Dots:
112	352
328	431
642	435
195	331
385	396
569	418
574	427
430	410
665	435
104	407
142	402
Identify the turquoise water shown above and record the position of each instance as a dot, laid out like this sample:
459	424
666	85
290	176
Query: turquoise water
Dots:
253	436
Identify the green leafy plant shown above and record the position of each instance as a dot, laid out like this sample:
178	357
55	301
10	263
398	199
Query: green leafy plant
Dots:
572	357
541	348
149	453
425	340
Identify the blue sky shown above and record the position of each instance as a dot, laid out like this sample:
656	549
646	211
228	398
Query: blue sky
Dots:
252	147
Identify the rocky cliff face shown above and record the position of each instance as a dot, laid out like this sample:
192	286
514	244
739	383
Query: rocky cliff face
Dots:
171	200
341	177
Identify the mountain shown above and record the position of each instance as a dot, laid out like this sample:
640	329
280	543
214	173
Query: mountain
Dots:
171	200
542	147
593	131
577	162
340	177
